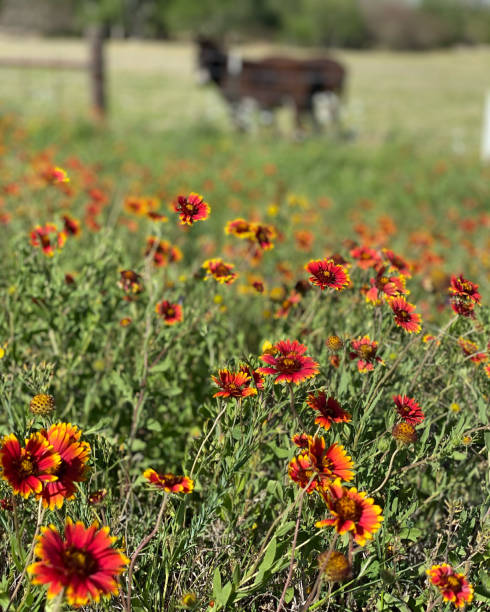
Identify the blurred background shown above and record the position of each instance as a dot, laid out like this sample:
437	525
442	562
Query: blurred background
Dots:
417	70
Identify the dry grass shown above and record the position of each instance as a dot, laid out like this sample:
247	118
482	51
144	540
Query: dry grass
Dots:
434	99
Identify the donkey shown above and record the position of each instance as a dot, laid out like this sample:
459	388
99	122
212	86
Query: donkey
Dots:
273	81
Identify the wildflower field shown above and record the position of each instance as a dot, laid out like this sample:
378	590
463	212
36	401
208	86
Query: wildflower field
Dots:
241	373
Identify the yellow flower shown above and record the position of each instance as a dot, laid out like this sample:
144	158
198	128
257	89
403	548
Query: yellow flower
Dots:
277	294
189	600
272	210
99	365
218	299
455	407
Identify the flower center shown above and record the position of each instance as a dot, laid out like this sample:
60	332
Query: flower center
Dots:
189	207
221	270
26	467
403	315
171	480
348	509
453	582
326	276
170	312
79	561
289	363
366	351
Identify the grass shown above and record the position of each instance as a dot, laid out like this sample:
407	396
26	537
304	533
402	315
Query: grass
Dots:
432	100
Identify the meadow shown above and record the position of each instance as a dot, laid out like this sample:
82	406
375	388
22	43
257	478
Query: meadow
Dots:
271	396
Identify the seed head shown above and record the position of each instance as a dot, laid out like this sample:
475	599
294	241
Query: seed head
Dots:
404	433
334	566
42	404
334	343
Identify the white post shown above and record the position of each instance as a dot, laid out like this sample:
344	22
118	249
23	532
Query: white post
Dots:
485	141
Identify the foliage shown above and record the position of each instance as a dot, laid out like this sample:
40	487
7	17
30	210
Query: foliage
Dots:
142	393
395	24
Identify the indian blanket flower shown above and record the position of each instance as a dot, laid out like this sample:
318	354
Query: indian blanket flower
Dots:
384	286
191	208
239	228
233	384
131	282
327	274
318	466
408	409
140	206
170	313
54	175
71	226
397	263
329	410
304	240
301	440
254	375
405	316
27	468
48	238
352	511
221	271
263	235
365	257
289	363
162	251
287	305
453	586
96	497
470	349
465	289
65	440
462	307
81	562
170	483
366	350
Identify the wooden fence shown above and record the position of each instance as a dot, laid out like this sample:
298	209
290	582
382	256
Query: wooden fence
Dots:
94	66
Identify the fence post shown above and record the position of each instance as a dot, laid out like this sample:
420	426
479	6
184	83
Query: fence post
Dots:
97	36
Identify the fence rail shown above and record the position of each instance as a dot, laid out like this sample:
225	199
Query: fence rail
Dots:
94	65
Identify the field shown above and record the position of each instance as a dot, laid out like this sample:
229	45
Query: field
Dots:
312	344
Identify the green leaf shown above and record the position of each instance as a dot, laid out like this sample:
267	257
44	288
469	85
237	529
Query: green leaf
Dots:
283	529
223	595
412	534
459	456
269	557
288	597
216	582
280	453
